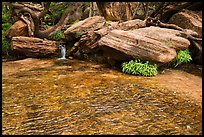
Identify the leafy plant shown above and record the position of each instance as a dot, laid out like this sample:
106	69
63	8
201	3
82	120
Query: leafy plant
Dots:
5	45
6	26
5	41
183	56
57	8
57	36
139	67
75	22
5	14
78	34
4	17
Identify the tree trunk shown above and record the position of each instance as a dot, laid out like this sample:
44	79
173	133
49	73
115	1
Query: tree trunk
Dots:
37	15
34	47
115	11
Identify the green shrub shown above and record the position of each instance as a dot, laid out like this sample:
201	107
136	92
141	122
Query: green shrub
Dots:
4	17
57	36
7	22
5	41
138	67
183	56
6	26
57	9
5	45
5	14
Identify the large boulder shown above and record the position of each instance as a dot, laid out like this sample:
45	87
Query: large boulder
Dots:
188	20
151	43
82	27
19	28
89	40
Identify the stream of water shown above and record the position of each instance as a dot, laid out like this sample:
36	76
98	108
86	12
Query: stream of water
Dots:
73	97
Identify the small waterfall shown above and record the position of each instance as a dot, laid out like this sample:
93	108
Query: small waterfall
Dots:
63	52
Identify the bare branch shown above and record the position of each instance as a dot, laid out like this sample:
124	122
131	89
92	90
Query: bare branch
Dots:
167	15
16	5
30	24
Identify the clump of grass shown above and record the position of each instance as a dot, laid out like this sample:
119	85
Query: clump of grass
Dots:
183	56
139	67
57	36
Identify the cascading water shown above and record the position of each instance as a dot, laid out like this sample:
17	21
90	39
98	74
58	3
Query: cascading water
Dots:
63	52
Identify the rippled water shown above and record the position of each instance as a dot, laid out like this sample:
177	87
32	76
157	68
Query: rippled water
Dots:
48	97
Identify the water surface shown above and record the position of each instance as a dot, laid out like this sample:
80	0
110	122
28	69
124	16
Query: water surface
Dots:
48	97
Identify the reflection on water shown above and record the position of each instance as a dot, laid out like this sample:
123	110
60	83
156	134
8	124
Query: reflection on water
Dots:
48	97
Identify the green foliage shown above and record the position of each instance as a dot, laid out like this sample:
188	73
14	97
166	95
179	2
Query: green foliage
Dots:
57	9
57	36
75	22
183	56
108	21
78	34
87	3
5	45
6	26
48	20
5	19
138	67
5	14
85	56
